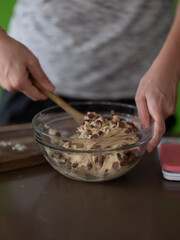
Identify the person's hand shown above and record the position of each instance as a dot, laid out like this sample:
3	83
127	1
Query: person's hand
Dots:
16	65
156	97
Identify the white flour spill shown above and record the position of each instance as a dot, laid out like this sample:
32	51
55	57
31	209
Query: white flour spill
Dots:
19	147
15	147
5	144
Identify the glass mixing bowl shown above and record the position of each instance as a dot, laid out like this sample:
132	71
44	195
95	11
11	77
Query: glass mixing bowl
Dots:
109	158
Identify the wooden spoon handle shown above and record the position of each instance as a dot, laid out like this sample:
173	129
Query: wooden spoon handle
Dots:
78	116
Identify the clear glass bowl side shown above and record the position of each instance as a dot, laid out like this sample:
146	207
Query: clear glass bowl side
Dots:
86	172
94	164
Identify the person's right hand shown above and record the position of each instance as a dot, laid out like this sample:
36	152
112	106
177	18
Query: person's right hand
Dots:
16	64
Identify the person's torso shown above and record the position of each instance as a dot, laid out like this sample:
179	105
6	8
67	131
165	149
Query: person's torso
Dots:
93	48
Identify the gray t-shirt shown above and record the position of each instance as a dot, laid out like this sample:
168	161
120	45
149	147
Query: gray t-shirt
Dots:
94	49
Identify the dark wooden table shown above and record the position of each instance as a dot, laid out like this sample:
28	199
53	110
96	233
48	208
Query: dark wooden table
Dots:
39	203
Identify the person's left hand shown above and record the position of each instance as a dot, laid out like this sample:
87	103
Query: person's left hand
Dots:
156	97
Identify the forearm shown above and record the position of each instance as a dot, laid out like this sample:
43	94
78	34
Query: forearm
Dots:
1	29
156	95
169	56
2	32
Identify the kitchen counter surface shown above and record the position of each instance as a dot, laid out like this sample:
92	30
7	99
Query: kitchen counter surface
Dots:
39	203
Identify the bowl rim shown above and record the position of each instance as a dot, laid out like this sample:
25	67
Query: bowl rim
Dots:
36	128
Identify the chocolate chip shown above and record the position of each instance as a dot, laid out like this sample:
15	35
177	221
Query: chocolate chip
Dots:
89	166
130	156
131	159
100	133
128	153
121	124
115	166
91	115
133	127
94	136
101	159
127	131
119	156
74	165
108	147
124	163
96	147
125	157
57	134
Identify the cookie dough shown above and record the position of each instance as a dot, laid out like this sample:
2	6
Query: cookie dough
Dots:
100	137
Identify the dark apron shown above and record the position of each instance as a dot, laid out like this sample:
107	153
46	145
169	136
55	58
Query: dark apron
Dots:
15	107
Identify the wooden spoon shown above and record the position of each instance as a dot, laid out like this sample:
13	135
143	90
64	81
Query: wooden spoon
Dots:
76	115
